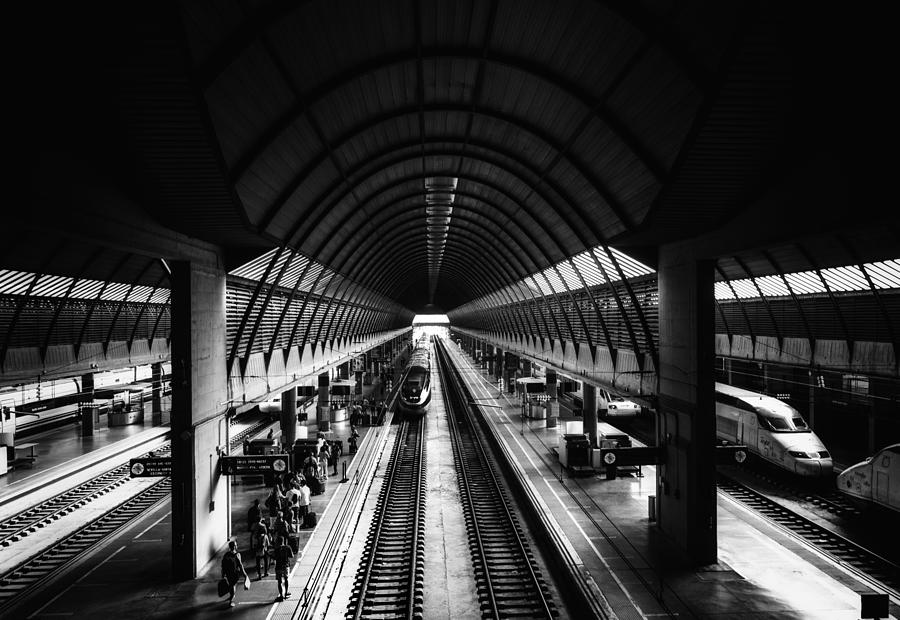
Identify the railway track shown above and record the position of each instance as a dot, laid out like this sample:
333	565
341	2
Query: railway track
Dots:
509	582
33	519
869	566
389	581
19	582
34	572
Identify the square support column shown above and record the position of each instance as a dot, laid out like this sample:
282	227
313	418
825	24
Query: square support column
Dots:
686	488
200	510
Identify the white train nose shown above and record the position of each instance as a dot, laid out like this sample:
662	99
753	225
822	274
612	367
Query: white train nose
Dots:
813	467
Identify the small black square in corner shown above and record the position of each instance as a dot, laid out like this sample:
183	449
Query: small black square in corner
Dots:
873	605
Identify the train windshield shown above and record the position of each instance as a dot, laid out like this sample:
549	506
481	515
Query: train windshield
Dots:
795	424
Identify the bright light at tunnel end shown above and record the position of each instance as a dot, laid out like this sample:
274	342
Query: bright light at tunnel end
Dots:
431	319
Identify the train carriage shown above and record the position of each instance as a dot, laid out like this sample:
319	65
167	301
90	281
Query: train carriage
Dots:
415	391
875	481
771	429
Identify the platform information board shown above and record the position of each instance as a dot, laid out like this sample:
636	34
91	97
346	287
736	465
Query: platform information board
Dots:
255	464
149	467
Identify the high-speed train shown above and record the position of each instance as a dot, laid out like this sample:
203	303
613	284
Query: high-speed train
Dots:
771	429
415	391
875	481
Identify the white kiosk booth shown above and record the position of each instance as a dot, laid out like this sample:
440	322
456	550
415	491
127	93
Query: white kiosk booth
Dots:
534	397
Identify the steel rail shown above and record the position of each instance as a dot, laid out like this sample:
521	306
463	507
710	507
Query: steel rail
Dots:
501	553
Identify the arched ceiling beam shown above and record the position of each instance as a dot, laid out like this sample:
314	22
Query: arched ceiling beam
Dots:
831	297
265	305
511	213
311	223
498	286
797	304
137	322
885	314
20	306
532	243
124	300
740	305
253	27
765	301
65	298
520	125
87	319
243	324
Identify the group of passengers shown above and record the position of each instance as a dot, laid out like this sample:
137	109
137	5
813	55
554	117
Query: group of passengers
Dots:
367	410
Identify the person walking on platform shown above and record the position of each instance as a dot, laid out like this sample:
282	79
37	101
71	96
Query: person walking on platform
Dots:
280	529
323	467
311	472
253	515
260	531
283	556
232	570
303	501
261	548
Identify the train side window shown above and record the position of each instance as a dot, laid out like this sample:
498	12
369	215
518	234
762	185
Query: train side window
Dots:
886	460
800	423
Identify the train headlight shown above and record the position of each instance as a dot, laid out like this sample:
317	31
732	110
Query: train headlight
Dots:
612	406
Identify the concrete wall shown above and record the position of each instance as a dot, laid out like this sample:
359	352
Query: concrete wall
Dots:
253	380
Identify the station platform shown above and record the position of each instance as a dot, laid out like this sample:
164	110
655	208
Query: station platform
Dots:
62	455
129	574
761	573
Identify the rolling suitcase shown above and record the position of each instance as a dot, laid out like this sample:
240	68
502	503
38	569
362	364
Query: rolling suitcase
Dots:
310	519
294	542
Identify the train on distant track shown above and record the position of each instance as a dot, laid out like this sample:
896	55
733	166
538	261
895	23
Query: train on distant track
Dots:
771	429
415	391
875	481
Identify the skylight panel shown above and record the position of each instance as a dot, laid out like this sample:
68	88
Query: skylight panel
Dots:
86	289
571	279
549	277
805	282
588	269
848	278
255	269
885	274
744	288
273	274
52	286
722	291
607	265
539	285
630	267
772	286
15	282
161	296
293	271
116	291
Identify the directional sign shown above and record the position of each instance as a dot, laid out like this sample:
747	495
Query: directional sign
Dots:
255	464
151	467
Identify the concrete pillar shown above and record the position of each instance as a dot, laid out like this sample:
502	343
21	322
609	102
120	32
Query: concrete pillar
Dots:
156	391
200	499
323	406
686	490
288	417
510	366
589	411
553	402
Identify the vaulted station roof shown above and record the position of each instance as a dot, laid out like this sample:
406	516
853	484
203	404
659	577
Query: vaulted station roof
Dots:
439	151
